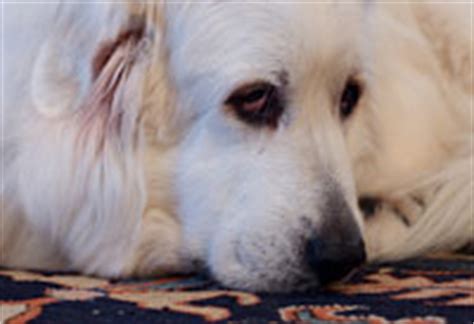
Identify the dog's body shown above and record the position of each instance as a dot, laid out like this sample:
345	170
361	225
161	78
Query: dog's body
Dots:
123	157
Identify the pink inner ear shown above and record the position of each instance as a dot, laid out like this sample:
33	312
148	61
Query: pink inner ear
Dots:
102	112
132	35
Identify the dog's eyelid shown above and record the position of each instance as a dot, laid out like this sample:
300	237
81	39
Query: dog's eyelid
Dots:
241	91
259	103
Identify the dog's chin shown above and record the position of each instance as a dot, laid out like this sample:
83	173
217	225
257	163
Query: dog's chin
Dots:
241	262
238	273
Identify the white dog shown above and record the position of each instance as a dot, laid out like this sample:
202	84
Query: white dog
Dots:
242	138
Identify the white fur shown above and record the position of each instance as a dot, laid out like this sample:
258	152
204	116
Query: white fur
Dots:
162	178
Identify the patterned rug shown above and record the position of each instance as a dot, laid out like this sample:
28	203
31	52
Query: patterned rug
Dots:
429	291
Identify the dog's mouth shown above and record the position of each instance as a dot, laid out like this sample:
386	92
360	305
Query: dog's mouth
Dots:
301	275
301	259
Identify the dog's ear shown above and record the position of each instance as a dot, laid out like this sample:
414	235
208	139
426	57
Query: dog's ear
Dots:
63	72
99	81
95	68
113	101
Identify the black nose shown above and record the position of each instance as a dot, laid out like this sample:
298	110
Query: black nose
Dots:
331	261
336	247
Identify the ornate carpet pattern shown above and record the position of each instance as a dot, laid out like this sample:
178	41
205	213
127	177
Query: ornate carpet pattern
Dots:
429	291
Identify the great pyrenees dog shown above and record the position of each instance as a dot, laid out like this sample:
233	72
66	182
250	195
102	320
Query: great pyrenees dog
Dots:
276	146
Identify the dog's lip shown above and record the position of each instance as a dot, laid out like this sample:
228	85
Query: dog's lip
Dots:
293	281
244	258
350	275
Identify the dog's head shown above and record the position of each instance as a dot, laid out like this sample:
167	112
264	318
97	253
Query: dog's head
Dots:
265	186
295	112
282	116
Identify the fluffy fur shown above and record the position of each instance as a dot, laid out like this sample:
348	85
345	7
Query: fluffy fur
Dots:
120	158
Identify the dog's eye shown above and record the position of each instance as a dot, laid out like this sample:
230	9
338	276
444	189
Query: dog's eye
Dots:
257	104
349	98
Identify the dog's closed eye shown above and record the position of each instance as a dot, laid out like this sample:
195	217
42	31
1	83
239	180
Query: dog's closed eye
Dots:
257	104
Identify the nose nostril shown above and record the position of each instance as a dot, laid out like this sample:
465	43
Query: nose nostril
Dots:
330	261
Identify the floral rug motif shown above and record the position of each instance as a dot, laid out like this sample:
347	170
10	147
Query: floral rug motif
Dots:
429	291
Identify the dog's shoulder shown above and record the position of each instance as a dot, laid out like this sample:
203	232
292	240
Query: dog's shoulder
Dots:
448	28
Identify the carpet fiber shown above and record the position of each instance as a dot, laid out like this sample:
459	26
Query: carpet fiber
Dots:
434	290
